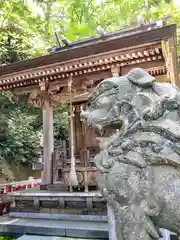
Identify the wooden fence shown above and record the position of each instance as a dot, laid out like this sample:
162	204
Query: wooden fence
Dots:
19	186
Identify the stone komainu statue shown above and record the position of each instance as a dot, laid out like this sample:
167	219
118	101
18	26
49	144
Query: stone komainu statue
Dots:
139	160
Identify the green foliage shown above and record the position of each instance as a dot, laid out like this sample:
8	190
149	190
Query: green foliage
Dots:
20	124
18	28
27	30
6	238
19	139
21	129
60	124
22	141
78	19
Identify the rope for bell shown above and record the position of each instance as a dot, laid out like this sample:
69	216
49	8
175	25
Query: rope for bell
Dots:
73	175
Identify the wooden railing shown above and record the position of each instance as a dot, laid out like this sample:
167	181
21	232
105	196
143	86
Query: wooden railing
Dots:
19	186
7	188
85	158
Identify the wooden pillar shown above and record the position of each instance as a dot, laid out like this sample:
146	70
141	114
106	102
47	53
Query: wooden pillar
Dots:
48	144
86	188
170	56
78	130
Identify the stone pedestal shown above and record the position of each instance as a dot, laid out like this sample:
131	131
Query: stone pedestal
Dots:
167	235
111	223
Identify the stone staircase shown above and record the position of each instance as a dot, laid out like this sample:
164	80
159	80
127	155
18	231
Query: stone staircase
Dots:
59	225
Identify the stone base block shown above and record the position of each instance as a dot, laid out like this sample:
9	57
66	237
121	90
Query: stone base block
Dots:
44	187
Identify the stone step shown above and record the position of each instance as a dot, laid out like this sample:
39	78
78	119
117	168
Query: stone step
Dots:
74	217
57	211
50	227
34	237
59	187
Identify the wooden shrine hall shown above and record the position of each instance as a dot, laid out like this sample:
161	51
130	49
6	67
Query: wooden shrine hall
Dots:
84	64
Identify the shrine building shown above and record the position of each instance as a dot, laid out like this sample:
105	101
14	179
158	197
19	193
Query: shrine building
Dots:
84	64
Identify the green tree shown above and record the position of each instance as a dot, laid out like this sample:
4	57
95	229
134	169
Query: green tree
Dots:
18	28
20	124
79	18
